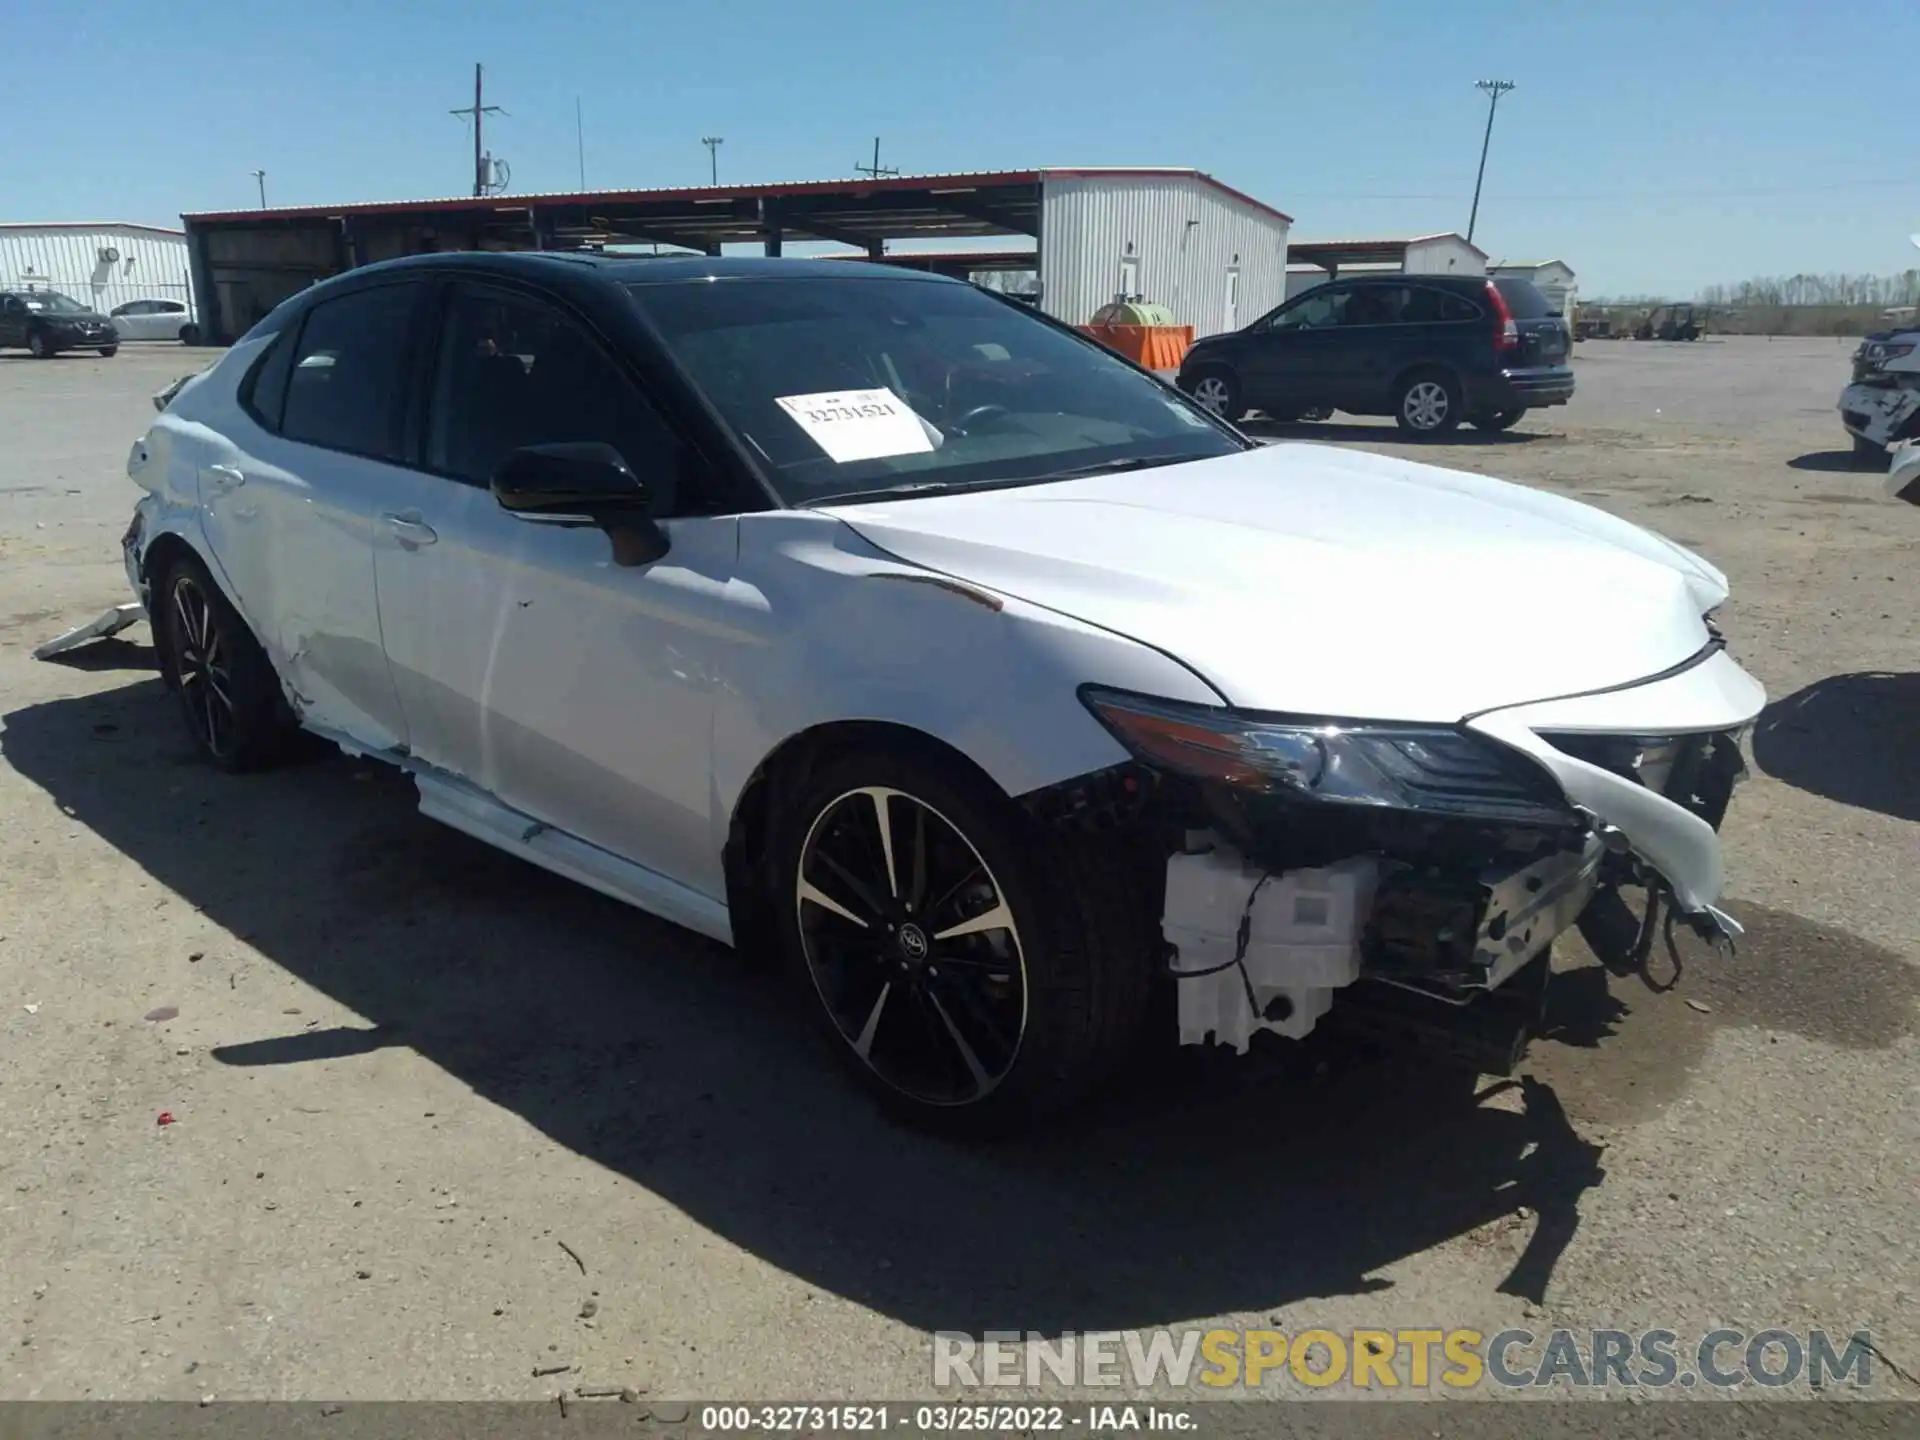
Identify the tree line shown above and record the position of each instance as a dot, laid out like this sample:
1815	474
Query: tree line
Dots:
1832	289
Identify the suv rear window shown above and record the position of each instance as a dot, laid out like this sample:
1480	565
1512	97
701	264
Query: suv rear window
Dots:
1524	299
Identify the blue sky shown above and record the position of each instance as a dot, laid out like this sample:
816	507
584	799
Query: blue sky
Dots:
1655	147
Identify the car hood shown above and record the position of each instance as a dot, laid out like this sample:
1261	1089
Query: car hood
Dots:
1312	580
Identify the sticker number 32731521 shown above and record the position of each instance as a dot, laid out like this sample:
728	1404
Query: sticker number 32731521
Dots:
859	424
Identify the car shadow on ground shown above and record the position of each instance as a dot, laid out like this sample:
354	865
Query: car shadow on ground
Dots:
1852	738
1350	432
1831	461
1203	1185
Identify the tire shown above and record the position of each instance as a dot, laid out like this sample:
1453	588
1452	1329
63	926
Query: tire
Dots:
1428	404
1218	389
189	334
109	351
1029	1015
1496	420
229	696
1869	454
40	345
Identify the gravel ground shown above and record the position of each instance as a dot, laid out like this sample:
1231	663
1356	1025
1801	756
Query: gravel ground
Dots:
441	1121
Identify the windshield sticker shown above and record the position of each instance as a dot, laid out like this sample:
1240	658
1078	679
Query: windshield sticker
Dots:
859	424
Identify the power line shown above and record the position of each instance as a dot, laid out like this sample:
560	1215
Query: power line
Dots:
1878	182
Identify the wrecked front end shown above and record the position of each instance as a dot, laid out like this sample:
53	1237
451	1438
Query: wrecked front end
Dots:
1881	405
1410	879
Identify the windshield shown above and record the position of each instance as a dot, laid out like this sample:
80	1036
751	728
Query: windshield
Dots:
848	389
1526	300
52	302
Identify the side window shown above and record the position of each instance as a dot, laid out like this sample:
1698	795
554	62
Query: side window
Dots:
513	371
1428	307
263	394
1376	305
132	307
169	307
1316	310
349	367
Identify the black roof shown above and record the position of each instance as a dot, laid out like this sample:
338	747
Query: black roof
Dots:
648	269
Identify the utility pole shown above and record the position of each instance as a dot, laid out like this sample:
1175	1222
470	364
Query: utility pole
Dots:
876	170
580	138
1493	89
260	178
713	144
478	111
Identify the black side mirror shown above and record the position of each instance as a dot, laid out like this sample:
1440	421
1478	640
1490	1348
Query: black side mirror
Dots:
587	478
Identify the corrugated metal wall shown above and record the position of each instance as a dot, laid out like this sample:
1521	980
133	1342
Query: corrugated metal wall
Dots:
151	264
1216	262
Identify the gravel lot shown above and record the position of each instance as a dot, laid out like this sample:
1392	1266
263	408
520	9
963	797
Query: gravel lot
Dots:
442	1121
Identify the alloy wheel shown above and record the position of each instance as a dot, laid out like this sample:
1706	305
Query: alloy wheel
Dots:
1425	404
1212	394
201	662
912	946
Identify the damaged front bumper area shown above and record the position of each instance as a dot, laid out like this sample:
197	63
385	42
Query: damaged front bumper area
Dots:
1882	412
1321	870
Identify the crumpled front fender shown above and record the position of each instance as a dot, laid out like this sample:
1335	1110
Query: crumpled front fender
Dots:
1712	696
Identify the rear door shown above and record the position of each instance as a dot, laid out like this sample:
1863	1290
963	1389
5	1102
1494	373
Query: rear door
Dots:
1543	330
13	320
1376	342
288	494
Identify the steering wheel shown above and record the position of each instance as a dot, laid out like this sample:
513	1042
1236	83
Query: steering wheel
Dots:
964	425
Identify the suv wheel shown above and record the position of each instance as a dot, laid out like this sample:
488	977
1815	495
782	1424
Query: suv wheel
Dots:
1428	403
974	974
1218	390
40	345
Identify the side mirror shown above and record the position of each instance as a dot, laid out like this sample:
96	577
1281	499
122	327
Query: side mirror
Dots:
586	478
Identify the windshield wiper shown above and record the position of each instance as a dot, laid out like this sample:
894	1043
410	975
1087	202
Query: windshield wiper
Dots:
954	487
1116	467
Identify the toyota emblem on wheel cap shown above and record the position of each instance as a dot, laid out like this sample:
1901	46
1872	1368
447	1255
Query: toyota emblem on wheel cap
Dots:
913	942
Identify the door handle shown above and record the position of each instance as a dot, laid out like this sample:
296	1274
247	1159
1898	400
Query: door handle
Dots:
225	477
411	530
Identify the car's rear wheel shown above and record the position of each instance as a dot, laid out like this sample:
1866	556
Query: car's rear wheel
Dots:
1497	419
40	346
229	695
189	334
1428	403
973	973
1217	389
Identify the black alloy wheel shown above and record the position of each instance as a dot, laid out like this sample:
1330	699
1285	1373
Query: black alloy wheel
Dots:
912	946
229	695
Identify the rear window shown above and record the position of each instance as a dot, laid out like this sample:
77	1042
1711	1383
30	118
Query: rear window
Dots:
1526	302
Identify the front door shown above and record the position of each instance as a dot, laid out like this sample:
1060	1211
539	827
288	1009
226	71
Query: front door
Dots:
574	689
1292	355
289	486
13	320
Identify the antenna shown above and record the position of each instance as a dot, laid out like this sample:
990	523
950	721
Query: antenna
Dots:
713	144
483	164
876	170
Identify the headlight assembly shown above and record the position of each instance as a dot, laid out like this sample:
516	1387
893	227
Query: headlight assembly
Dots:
1428	769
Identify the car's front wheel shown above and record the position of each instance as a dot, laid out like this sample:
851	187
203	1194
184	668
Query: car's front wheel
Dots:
40	345
1869	453
1428	403
109	351
1494	420
1217	389
974	974
228	692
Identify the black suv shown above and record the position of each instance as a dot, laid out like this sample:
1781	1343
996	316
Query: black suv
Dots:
1429	350
47	322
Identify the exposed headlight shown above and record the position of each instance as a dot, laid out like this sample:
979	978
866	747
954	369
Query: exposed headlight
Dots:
1430	769
1646	758
1883	353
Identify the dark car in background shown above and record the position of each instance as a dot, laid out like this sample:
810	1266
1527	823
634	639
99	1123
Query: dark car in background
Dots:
47	322
1429	350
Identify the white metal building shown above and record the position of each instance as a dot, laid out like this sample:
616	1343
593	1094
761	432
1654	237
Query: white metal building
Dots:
1554	279
1446	253
98	263
1174	237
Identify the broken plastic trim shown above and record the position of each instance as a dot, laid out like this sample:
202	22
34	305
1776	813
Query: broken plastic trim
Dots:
110	622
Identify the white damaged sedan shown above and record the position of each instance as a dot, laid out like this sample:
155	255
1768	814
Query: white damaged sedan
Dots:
870	620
